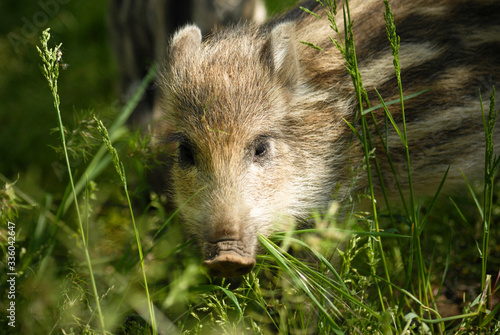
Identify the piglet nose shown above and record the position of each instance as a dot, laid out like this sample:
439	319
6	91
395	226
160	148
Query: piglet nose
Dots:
228	258
229	264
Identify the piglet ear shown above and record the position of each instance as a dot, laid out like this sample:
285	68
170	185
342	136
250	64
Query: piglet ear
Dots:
185	42
279	54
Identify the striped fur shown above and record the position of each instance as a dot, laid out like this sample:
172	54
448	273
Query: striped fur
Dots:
258	118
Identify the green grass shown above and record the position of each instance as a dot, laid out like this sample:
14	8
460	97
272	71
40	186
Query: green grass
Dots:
51	58
94	257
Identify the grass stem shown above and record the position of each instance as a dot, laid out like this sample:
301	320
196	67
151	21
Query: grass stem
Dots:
50	69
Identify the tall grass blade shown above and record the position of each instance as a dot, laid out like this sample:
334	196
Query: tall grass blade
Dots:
492	164
395	101
50	69
121	172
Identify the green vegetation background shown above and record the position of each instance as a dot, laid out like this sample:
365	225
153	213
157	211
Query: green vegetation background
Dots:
26	108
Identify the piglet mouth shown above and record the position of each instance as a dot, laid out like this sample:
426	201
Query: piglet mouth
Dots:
228	258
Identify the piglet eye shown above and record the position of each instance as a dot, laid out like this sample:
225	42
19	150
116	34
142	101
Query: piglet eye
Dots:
261	150
185	154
